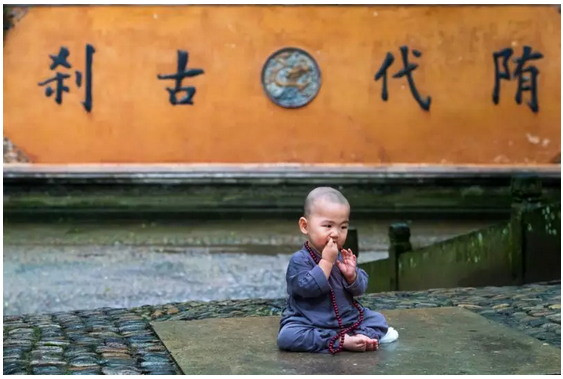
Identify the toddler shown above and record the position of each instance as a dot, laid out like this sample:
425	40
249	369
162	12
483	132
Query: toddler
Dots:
322	315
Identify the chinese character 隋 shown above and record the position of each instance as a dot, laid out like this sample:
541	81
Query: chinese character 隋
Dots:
180	74
527	75
407	71
58	79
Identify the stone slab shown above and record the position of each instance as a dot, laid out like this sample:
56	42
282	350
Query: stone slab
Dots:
432	341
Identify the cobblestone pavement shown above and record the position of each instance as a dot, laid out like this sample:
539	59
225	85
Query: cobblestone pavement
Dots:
121	341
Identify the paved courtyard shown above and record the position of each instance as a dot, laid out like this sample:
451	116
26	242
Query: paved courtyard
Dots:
79	298
121	340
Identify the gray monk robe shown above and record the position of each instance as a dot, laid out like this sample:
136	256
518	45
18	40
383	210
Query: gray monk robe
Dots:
308	322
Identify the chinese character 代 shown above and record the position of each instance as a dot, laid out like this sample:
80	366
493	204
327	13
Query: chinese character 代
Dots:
407	70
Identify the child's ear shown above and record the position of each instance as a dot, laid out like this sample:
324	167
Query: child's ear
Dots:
303	225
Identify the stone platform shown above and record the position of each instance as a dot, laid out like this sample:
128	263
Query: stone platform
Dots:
432	341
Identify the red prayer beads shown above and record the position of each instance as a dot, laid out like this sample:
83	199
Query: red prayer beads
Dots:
343	330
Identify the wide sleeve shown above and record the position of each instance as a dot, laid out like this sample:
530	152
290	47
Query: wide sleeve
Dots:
305	278
360	285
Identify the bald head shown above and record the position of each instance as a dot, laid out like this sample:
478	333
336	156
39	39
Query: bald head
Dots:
323	193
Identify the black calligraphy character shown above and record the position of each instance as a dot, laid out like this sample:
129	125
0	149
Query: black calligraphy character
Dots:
528	82
180	74
87	103
61	60
525	82
382	72
407	70
505	54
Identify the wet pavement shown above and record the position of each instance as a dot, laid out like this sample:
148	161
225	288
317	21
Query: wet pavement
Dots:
67	266
46	279
453	340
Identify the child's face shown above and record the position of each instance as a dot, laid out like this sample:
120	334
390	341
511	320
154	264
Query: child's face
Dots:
328	220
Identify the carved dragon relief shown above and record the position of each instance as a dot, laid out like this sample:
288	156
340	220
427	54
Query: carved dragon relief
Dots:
291	78
292	74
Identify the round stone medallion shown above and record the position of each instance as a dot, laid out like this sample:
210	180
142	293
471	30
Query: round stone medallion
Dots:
291	78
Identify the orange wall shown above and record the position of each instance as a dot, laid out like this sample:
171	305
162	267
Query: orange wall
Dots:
233	121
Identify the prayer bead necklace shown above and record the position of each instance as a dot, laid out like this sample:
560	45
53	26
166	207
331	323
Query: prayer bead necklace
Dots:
342	333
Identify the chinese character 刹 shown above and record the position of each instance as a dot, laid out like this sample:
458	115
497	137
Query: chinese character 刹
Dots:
62	60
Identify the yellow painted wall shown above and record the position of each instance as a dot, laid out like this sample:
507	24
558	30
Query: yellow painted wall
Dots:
233	121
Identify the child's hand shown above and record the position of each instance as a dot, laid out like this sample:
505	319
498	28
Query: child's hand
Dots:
330	252
359	342
348	265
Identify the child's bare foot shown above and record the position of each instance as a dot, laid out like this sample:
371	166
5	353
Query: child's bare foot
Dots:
359	342
354	343
371	344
